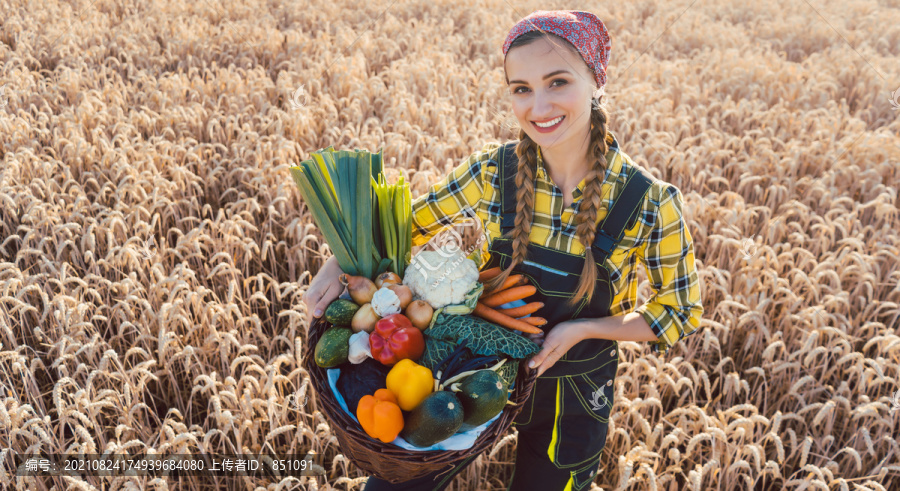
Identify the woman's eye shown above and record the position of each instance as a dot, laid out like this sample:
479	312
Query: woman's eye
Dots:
516	90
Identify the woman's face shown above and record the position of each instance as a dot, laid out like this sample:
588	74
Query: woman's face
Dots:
546	82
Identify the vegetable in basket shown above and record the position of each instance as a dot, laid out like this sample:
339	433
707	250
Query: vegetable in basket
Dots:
394	339
410	382
482	338
337	187
435	419
441	277
340	312
357	380
366	222
482	395
380	416
333	347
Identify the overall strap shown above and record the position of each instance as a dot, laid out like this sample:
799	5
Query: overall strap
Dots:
509	163
624	210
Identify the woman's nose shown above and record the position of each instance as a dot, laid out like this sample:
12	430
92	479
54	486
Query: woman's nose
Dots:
541	107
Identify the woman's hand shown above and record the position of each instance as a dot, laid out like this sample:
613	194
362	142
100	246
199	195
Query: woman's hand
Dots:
560	340
324	288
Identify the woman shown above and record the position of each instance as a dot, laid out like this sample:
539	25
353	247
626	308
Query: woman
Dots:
540	200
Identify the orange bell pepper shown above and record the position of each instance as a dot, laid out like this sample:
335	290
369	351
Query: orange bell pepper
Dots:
380	416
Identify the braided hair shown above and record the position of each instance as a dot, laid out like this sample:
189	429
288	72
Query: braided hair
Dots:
586	219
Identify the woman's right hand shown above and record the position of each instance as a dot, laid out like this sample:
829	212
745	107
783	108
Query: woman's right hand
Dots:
324	288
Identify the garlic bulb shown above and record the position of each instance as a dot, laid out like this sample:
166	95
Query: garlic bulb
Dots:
359	348
385	302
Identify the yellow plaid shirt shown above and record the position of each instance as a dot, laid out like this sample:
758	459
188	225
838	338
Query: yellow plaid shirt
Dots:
659	238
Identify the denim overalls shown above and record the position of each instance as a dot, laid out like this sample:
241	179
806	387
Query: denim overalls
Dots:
563	424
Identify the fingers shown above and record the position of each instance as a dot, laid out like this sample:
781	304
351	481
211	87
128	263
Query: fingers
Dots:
314	300
330	294
548	361
542	356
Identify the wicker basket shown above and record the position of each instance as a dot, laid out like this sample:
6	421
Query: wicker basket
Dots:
390	462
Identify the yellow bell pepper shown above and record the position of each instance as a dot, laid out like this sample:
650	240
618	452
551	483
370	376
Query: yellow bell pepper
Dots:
410	382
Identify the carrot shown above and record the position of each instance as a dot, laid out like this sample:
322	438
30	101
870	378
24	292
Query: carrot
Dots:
513	280
509	295
488	274
534	321
492	315
528	308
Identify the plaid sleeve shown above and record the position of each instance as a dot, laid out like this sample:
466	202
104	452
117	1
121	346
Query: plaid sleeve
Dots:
675	309
451	200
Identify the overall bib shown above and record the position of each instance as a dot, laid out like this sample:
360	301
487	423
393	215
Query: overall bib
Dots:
563	424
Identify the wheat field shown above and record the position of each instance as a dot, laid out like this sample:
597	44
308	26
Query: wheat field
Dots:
154	249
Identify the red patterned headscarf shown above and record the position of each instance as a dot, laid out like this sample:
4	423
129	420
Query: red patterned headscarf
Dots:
583	29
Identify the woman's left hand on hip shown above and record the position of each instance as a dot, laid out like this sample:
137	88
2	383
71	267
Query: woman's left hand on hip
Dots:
560	339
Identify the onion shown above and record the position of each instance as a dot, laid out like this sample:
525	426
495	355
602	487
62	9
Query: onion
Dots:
387	278
364	319
404	293
419	313
361	288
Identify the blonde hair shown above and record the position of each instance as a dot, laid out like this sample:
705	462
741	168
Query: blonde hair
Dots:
586	220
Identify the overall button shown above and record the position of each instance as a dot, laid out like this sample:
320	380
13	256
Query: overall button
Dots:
612	353
609	383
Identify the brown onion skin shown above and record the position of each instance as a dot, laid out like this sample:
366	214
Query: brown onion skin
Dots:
388	278
419	313
361	288
364	319
404	293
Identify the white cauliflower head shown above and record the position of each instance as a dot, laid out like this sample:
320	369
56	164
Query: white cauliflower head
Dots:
441	278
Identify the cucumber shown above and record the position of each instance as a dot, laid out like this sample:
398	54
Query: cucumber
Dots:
483	395
333	347
435	419
340	312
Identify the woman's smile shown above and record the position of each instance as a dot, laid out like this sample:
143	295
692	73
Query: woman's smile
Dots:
548	125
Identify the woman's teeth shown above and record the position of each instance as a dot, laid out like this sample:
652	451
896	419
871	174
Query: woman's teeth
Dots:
548	124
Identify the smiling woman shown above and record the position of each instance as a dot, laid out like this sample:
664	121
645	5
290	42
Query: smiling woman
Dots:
565	207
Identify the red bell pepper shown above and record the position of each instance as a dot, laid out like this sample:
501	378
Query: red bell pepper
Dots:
394	339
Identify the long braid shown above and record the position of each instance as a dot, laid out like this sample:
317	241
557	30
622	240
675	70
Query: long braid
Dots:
592	200
526	150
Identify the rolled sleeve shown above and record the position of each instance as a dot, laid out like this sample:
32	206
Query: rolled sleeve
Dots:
674	310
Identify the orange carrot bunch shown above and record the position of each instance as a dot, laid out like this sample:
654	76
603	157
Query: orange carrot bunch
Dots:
514	288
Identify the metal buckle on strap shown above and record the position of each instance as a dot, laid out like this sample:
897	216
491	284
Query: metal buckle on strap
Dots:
603	246
604	241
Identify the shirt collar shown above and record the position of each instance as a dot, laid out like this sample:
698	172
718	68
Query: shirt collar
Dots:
614	169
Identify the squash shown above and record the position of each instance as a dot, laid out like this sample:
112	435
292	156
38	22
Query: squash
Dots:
482	395
435	419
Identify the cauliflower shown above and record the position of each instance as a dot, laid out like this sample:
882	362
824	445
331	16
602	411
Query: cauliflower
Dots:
441	277
385	302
